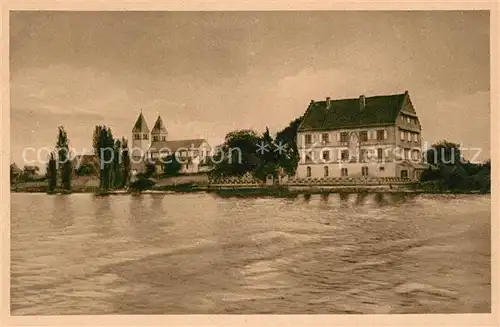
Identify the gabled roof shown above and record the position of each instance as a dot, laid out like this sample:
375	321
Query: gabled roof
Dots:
173	146
348	113
85	159
140	125
159	127
15	169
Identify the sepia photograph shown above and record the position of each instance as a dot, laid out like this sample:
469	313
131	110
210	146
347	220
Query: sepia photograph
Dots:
328	162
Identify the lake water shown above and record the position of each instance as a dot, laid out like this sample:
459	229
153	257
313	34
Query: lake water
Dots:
199	253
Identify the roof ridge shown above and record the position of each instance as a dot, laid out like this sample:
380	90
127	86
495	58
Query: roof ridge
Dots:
366	97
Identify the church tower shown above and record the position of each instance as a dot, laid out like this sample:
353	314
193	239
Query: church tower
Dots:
159	132
140	137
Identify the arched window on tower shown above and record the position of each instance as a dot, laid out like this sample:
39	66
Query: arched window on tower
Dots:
145	136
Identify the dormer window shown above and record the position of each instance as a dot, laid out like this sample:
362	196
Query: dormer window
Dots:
363	136
325	138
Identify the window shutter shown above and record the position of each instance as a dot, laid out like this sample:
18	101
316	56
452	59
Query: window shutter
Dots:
374	135
385	134
369	135
338	136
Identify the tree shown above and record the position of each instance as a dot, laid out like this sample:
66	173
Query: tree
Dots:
443	152
238	155
244	151
172	166
126	163
451	172
117	165
103	144
269	157
63	159
52	173
289	157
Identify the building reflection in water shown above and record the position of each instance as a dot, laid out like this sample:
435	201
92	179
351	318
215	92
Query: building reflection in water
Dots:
62	212
344	199
380	199
104	216
324	197
144	218
361	198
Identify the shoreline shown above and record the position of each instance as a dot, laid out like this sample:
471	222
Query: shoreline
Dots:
275	191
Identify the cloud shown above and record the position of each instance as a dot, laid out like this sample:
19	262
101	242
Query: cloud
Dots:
463	119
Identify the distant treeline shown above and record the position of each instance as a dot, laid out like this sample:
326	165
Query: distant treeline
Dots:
449	170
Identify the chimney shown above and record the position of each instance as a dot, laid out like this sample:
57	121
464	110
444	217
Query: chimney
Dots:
362	102
327	102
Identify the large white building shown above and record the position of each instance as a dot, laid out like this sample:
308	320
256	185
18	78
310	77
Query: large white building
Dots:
377	136
154	146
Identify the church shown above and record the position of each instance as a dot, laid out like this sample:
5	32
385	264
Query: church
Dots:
154	145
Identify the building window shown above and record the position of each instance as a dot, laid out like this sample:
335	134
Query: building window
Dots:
362	155
326	155
343	172
308	139
137	136
326	171
415	154
145	136
343	137
380	154
380	134
344	155
381	168
364	171
408	136
407	154
402	135
308	171
308	156
415	137
404	174
163	138
325	138
363	136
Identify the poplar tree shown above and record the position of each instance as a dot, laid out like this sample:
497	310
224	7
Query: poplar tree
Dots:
126	162
63	159
52	173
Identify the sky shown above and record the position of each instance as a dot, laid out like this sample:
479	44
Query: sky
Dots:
209	73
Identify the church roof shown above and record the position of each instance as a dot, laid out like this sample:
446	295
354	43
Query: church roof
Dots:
140	125
159	127
173	146
351	113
